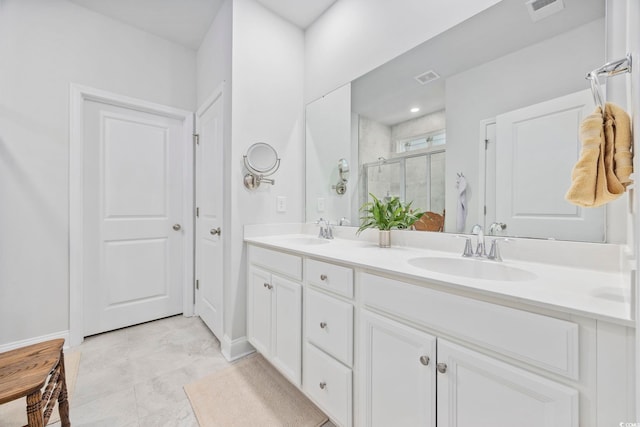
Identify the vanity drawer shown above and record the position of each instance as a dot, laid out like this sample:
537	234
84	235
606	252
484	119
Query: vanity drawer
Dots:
332	277
329	384
278	262
543	341
329	325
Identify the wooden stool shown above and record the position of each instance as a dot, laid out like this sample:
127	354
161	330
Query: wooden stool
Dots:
25	371
430	221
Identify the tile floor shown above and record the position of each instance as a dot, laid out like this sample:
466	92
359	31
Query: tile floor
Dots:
133	377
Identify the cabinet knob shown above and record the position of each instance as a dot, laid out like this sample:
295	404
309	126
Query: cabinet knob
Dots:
323	277
323	385
176	227
442	367
267	285
323	325
215	231
424	360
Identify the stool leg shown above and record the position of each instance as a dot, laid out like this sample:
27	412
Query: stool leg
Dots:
34	409
63	402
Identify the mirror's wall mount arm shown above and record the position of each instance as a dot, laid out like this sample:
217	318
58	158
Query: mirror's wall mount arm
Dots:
343	172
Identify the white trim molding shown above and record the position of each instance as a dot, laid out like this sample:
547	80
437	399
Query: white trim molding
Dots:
77	97
235	349
23	343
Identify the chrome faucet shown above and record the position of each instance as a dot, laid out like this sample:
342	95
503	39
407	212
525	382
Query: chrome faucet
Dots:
480	250
326	232
494	252
344	221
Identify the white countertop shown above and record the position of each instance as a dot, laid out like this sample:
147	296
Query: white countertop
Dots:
596	293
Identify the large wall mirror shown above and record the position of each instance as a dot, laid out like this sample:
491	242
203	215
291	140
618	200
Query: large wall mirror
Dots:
495	102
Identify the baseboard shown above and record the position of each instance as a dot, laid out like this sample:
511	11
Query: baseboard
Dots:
235	349
24	343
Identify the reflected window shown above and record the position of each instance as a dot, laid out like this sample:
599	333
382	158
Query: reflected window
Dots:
422	142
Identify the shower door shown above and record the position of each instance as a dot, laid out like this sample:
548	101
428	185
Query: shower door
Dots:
418	179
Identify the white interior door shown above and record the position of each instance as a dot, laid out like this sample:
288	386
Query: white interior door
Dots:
537	147
209	193
133	238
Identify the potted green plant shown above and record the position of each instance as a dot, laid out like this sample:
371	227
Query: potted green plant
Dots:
386	215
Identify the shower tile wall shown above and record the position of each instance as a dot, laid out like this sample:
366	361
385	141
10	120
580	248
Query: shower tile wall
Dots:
376	140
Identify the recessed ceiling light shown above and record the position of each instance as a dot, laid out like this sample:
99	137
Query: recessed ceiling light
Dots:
415	109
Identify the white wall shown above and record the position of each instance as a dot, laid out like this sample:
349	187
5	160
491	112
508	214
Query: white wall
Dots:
516	80
213	63
267	98
328	138
355	36
45	45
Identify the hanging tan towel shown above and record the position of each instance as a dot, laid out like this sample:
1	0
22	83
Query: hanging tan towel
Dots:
585	176
618	130
602	172
613	183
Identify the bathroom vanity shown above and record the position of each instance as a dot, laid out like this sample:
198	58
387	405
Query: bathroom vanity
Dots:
417	335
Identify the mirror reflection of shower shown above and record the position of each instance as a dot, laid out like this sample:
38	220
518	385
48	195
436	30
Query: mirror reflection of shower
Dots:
419	179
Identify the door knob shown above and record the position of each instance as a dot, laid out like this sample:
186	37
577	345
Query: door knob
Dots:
176	227
215	231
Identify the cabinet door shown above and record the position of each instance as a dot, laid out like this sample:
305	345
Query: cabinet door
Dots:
287	320
398	374
476	390
259	314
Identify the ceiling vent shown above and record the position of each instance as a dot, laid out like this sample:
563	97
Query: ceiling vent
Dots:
540	9
427	77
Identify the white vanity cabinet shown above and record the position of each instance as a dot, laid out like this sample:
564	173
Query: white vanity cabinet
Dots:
474	389
328	348
274	310
398	374
399	386
400	363
373	347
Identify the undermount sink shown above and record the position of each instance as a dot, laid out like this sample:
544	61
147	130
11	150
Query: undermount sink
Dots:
472	268
304	240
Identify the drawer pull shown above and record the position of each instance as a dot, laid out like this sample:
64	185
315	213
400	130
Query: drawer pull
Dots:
323	385
323	325
442	367
268	286
424	360
323	277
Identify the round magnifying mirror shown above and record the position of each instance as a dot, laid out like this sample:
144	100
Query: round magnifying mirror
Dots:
261	158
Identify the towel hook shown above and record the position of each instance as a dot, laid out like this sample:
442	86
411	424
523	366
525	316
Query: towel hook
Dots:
612	68
596	90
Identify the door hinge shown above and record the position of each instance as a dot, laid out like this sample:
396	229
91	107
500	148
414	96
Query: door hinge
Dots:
196	139
485	210
197	284
197	212
486	144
